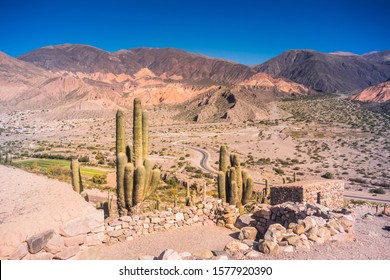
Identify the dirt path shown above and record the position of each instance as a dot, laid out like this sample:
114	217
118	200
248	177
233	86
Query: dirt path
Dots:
187	239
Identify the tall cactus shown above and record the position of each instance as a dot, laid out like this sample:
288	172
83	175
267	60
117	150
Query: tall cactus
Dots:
137	133
294	177
76	178
232	180
223	158
136	179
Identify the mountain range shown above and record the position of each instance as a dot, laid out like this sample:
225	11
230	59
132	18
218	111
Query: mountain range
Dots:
80	78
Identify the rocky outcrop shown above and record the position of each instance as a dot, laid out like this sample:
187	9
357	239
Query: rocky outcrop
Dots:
378	93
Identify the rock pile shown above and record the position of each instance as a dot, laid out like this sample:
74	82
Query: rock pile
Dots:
290	226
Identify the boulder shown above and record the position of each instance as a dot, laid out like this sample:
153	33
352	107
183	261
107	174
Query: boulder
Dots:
275	233
20	252
248	233
38	241
269	247
203	254
39	256
55	244
67	253
185	254
82	225
244	221
287	249
299	229
236	246
74	240
293	240
309	222
179	216
222	258
253	254
169	254
146	258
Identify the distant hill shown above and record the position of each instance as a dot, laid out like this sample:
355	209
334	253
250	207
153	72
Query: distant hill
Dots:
326	72
171	63
377	93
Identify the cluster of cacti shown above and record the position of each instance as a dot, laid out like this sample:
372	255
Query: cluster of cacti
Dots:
76	177
136	179
235	185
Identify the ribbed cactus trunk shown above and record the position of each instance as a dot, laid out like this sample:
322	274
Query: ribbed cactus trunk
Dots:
139	183
129	184
145	134
148	176
223	159
137	133
248	190
155	181
120	132
129	153
222	185
120	183
76	179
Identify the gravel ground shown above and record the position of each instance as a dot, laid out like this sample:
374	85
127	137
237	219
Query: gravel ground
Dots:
187	239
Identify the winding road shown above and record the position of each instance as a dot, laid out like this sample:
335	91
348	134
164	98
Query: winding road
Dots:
204	164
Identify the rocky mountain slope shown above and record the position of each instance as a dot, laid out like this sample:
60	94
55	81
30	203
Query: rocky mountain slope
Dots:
377	93
378	57
327	72
81	80
168	63
106	81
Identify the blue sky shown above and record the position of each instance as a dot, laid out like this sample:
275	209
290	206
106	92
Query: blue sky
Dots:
245	31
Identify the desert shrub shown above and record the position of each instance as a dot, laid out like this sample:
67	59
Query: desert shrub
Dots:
328	175
84	159
279	171
358	180
378	191
99	179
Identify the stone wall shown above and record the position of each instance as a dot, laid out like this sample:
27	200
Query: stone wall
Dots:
325	192
127	228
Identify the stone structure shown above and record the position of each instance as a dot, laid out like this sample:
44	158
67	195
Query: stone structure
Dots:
127	228
325	192
291	226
